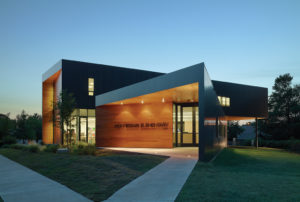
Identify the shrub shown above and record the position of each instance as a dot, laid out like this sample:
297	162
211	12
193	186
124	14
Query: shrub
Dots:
33	148
51	148
19	147
83	149
6	146
9	140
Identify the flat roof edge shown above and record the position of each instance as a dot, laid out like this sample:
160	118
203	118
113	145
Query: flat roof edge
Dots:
55	68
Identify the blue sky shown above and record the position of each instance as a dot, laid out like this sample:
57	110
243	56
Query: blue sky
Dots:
249	42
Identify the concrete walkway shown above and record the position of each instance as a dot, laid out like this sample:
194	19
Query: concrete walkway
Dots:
162	183
18	183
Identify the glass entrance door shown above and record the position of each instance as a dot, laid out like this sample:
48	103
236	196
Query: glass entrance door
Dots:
186	124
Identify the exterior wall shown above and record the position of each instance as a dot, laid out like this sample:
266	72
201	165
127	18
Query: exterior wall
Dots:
47	113
57	83
212	124
106	78
111	130
245	101
51	90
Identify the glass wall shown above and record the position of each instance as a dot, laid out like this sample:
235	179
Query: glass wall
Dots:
83	126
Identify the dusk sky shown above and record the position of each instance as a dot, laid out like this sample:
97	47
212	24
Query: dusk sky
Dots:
249	42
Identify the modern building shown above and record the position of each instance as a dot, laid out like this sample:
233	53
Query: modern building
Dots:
122	107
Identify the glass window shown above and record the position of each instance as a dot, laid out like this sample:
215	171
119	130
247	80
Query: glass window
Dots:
83	112
224	101
227	104
91	86
91	129
91	113
83	127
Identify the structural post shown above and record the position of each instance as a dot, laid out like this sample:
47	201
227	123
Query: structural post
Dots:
256	131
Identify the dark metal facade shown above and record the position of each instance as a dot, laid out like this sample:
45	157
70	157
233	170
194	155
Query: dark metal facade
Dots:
245	101
106	78
211	120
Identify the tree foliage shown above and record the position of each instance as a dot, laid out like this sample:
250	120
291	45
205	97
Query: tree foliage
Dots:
234	129
7	126
64	107
28	127
284	109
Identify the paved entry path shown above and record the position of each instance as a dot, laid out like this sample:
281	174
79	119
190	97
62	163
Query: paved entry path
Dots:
18	183
162	183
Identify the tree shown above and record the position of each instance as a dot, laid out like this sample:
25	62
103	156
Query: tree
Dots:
63	108
34	127
284	109
234	129
6	125
28	127
21	129
281	100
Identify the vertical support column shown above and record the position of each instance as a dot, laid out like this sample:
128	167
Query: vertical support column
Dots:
194	124
181	125
87	127
176	124
217	127
201	114
256	131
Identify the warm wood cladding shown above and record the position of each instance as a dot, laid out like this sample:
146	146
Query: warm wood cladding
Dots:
134	125
51	89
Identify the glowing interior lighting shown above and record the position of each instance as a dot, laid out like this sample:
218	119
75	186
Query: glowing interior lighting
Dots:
163	100
121	103
142	101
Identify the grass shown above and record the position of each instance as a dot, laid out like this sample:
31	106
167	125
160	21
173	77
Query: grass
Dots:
245	175
96	177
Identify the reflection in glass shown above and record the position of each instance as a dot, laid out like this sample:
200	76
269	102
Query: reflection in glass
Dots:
83	127
91	129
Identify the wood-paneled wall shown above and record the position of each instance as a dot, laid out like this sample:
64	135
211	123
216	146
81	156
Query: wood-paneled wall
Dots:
51	88
47	113
111	130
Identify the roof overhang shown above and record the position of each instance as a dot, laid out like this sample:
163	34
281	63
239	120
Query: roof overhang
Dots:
181	84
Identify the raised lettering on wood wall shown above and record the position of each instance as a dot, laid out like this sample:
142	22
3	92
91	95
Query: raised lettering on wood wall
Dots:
134	125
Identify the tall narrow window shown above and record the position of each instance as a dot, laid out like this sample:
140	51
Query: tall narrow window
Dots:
91	86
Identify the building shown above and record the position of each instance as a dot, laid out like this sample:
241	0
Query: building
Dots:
121	107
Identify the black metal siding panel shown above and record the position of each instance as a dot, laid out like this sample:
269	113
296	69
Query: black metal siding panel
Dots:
245	101
211	139
107	78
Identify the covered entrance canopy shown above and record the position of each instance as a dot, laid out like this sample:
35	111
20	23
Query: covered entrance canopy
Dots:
176	109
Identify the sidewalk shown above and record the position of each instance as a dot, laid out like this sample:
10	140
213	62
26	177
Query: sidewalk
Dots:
162	183
18	183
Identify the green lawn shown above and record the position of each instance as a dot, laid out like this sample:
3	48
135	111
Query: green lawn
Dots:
96	177
245	175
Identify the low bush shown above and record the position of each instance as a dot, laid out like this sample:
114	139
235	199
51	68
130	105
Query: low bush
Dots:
19	147
9	140
30	148
33	148
51	148
83	149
